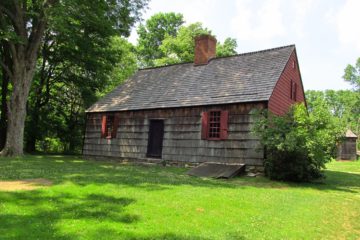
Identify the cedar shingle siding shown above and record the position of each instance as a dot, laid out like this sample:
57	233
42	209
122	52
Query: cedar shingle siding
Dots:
182	136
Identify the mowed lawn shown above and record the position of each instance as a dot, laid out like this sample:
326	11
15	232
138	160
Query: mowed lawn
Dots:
105	200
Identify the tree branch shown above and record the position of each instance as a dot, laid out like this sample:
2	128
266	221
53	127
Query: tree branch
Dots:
20	23
38	30
8	13
7	69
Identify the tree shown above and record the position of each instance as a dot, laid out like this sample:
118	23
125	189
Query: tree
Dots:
299	143
227	48
180	48
352	75
164	39
66	87
341	104
123	67
5	81
23	25
153	32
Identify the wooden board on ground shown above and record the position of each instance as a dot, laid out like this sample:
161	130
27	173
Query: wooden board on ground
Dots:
217	170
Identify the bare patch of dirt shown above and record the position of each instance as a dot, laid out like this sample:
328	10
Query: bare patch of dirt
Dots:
25	184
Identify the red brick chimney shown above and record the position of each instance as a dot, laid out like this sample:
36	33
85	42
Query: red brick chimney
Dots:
205	49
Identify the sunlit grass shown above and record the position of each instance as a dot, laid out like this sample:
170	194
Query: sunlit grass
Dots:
106	200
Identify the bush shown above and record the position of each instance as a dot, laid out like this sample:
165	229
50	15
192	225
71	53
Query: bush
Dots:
298	144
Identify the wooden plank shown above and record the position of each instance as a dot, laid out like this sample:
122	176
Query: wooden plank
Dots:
215	152
123	149
248	144
199	159
173	119
117	142
113	154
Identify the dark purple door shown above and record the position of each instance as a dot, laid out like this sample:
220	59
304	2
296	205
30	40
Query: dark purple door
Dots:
155	139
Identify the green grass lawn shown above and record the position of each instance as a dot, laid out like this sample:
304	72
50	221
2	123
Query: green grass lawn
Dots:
104	200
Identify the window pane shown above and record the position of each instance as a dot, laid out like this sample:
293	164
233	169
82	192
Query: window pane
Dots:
214	124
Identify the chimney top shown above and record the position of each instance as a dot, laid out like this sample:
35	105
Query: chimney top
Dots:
205	49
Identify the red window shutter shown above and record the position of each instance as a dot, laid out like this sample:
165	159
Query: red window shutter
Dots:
224	118
295	89
115	125
291	89
204	125
103	126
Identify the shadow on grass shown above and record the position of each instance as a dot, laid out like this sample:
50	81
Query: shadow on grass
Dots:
85	172
41	213
43	217
110	233
338	181
151	178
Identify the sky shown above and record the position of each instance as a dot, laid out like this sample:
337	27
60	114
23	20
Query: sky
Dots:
326	32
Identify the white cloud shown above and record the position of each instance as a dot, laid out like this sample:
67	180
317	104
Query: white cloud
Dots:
261	24
302	9
196	10
348	20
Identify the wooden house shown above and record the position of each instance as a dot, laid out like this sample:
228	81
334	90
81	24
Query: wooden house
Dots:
194	112
347	149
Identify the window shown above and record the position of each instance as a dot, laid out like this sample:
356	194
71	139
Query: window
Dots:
293	89
109	125
214	125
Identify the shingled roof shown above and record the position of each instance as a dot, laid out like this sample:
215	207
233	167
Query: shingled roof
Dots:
246	77
350	134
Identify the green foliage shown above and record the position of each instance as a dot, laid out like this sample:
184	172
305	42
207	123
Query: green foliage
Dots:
352	75
298	144
153	32
227	48
165	40
124	66
180	48
342	104
83	56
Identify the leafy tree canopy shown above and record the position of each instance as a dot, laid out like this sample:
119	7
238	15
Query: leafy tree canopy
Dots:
75	39
352	75
164	39
180	48
153	32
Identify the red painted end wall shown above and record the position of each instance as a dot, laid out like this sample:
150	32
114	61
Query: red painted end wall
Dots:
280	100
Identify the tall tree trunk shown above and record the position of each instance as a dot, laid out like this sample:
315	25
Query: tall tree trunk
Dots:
29	30
4	94
4	109
22	80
